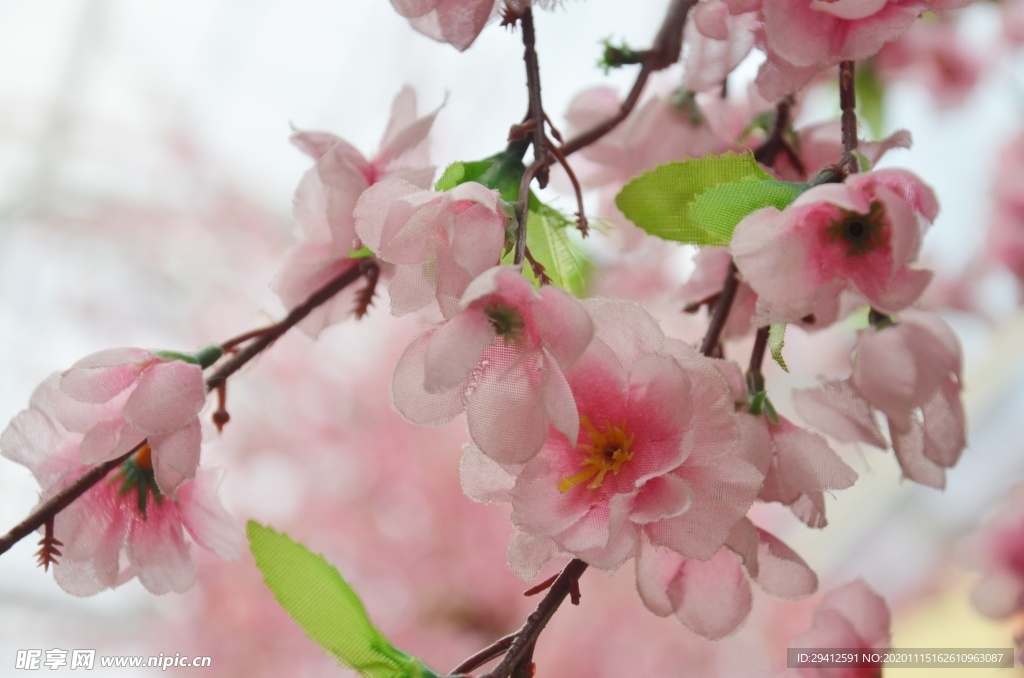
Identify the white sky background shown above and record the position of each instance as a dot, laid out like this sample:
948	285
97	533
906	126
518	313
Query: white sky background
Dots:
89	87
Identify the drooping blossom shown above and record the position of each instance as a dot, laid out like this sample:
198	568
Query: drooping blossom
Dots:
144	396
326	197
502	359
124	526
655	456
803	37
997	551
861	235
716	41
910	372
852	617
437	241
712	597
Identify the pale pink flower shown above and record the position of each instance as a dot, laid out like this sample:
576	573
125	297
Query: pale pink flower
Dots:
438	241
501	358
932	54
820	145
803	37
716	41
145	396
803	467
861	236
712	597
997	550
910	372
656	454
851	617
326	197
124	526
1006	233
457	22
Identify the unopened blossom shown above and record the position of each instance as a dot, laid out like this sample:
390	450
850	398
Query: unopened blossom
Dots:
437	241
655	456
124	526
852	617
326	197
911	373
861	235
997	551
144	396
712	597
502	359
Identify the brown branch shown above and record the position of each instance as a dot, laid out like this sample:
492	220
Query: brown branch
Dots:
524	208
720	313
533	86
755	378
663	53
492	651
215	381
776	142
527	636
848	105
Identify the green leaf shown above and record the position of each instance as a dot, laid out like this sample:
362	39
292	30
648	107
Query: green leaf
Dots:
360	253
718	209
776	340
316	596
547	237
659	201
503	171
870	98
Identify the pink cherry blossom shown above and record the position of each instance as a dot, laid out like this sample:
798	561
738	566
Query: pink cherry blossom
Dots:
146	397
910	372
803	37
852	617
125	526
933	55
1006	233
861	235
820	146
326	197
716	42
457	22
501	359
438	241
803	467
655	455
712	597
997	550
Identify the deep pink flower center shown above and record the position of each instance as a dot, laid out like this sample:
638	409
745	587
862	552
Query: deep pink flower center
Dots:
609	448
858	233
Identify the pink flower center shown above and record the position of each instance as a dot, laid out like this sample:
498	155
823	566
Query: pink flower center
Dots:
506	321
861	233
607	451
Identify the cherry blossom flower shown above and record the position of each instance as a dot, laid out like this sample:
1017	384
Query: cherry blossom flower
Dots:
802	37
147	397
861	235
997	550
716	42
910	372
326	197
1006	234
933	55
457	22
438	241
852	617
501	358
124	526
712	597
655	455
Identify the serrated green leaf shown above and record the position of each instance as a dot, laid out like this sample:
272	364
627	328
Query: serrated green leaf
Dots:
776	340
718	209
547	237
502	171
316	596
659	201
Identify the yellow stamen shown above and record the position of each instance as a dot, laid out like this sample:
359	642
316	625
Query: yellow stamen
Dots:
607	451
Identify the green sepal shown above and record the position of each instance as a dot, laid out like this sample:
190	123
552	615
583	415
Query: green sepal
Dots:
659	201
316	596
720	208
760	404
204	357
776	340
360	253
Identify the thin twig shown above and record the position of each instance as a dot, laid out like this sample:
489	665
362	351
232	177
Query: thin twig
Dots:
533	87
776	142
755	378
263	340
848	104
524	208
535	623
492	651
720	313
